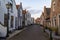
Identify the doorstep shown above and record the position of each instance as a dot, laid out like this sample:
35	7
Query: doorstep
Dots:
15	33
48	32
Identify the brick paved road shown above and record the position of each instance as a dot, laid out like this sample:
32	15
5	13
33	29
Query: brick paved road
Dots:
33	32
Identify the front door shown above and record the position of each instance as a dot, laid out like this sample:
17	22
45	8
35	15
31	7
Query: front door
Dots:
11	21
5	19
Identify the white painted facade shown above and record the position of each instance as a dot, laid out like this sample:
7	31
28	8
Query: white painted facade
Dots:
42	20
28	18
32	20
12	11
20	16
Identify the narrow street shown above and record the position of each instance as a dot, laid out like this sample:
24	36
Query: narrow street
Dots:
33	32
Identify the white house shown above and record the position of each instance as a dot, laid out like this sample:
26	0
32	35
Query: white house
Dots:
20	17
32	20
13	17
28	18
12	14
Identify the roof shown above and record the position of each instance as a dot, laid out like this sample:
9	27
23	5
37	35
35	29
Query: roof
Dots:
17	6
24	11
48	11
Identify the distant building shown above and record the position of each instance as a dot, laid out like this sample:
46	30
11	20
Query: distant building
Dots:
37	21
28	16
42	20
32	20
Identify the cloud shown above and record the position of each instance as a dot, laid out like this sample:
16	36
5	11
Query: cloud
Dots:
35	11
27	8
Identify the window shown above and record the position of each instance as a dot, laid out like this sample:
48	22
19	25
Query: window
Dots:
5	19
12	6
54	6
59	20
11	0
0	3
12	21
54	21
12	9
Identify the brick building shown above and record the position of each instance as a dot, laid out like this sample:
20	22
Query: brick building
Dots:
37	21
55	14
46	16
42	19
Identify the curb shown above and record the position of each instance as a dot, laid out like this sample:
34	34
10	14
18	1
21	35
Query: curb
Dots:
15	33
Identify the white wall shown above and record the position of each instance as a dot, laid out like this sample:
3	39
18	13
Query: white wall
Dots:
3	10
20	16
28	18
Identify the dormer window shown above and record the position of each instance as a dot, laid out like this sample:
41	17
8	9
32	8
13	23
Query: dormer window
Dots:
54	6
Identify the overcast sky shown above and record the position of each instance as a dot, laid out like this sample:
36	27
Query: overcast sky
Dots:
34	6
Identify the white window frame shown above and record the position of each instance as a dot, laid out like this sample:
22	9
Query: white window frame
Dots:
0	3
58	20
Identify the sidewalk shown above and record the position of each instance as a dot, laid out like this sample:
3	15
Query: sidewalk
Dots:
15	33
55	37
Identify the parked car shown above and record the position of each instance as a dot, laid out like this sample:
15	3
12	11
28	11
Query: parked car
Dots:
3	31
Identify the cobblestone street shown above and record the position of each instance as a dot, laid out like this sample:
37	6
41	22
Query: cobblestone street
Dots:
33	32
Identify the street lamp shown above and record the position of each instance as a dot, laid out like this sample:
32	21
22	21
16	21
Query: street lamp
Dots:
8	6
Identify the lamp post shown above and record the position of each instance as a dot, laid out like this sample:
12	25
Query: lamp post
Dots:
8	6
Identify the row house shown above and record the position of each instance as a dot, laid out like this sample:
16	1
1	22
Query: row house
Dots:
55	14
20	16
42	19
32	20
38	21
51	16
26	18
4	14
47	16
12	15
24	21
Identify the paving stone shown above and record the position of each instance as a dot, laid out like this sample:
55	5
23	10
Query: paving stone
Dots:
33	32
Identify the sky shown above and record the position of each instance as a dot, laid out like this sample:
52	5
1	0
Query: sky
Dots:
35	7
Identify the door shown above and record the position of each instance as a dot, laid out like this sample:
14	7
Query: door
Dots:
5	19
12	21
